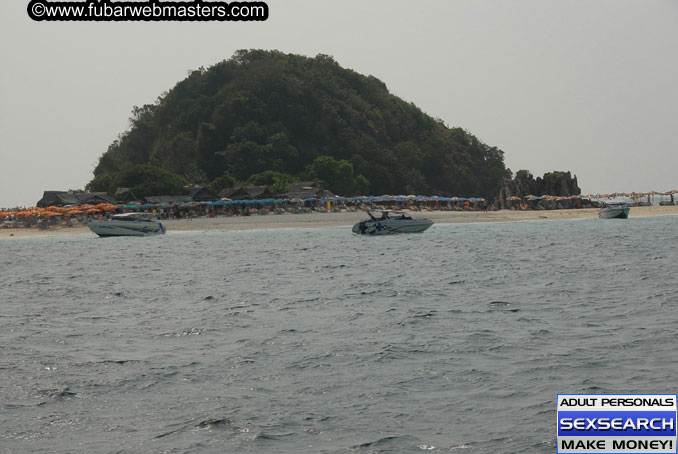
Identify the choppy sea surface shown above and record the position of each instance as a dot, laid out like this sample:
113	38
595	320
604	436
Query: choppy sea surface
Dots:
318	340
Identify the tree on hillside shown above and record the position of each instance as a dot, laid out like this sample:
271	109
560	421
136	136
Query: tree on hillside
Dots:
337	176
277	182
267	111
223	182
143	180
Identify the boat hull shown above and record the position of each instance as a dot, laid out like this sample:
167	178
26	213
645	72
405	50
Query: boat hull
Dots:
126	228
614	213
392	226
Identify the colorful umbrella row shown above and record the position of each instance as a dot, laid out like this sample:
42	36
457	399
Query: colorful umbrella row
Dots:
630	194
415	198
549	197
247	202
52	211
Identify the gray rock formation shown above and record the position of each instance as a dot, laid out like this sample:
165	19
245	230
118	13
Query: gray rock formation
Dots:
554	183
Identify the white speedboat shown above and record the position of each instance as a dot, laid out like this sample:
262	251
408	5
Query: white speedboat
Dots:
128	224
614	211
387	222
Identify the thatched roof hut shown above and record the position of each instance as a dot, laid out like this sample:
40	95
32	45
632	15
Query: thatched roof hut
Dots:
61	198
201	194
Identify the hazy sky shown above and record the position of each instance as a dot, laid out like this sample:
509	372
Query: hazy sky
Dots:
588	86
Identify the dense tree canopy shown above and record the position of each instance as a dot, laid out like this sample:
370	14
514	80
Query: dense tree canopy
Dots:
277	182
144	180
266	111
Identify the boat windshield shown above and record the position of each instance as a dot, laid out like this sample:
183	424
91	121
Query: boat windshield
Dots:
385	214
134	217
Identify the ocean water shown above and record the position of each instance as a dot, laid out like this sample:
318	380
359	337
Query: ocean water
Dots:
317	340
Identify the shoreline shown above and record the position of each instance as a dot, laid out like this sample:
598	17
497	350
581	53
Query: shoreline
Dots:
324	220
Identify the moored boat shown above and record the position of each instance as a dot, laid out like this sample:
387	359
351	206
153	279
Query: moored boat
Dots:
128	224
387	222
614	211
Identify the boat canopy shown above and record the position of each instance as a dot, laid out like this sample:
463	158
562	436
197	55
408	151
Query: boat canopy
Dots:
134	216
388	214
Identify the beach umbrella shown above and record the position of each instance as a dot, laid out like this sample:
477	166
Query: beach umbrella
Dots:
107	207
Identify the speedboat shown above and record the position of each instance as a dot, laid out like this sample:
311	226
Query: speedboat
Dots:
614	211
387	222
128	224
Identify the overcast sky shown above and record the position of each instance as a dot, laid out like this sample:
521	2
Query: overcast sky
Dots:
583	85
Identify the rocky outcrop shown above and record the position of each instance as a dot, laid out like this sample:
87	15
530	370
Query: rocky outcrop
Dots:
555	183
558	184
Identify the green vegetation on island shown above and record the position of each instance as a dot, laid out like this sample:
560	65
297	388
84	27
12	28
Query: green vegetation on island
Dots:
265	117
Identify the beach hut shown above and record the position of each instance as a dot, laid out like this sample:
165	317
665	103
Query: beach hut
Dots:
49	198
246	193
201	194
305	190
167	199
61	198
125	195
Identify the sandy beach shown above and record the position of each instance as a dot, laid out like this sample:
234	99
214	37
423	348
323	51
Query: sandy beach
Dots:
321	220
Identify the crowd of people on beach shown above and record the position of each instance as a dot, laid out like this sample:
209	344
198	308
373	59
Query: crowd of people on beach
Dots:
71	216
53	216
